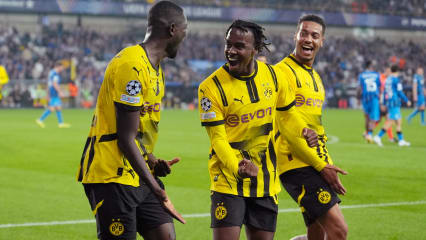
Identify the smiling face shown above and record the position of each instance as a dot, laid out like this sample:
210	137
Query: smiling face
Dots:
309	39
240	51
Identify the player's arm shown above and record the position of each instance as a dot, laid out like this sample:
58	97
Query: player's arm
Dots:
292	126
127	128
415	91
212	120
160	167
401	94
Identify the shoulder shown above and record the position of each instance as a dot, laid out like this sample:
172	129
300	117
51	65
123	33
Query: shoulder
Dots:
217	77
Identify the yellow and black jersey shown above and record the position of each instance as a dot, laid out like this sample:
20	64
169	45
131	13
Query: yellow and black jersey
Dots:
310	95
130	79
238	113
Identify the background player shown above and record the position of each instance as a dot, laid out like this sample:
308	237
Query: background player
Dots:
54	95
312	186
237	105
418	96
369	81
392	98
4	78
124	196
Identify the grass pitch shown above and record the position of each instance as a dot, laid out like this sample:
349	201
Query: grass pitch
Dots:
40	198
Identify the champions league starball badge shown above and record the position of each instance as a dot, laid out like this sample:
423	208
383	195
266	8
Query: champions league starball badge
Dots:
133	87
206	104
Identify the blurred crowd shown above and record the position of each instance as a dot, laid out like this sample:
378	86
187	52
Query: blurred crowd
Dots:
388	7
29	57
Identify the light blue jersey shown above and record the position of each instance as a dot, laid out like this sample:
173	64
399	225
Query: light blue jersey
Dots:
370	85
54	77
420	81
393	92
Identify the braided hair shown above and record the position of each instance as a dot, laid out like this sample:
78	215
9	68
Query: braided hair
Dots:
258	33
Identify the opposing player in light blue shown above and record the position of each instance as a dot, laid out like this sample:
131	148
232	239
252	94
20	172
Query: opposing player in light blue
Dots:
54	97
418	95
393	95
369	81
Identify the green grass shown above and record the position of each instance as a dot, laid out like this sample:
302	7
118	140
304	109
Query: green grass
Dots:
38	167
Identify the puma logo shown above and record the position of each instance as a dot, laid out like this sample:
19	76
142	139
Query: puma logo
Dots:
134	68
202	91
239	100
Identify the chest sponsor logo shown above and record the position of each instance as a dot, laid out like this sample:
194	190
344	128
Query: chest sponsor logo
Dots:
233	120
312	102
130	99
148	107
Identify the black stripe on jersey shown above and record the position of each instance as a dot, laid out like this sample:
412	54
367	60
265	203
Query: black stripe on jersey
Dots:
287	107
222	93
220	169
274	77
91	153
262	130
253	180
214	123
277	135
252	90
86	145
321	138
273	157
299	85
266	177
126	107
308	70
108	137
240	187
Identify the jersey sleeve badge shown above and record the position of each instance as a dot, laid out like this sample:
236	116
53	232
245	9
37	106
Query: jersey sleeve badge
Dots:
133	87
206	104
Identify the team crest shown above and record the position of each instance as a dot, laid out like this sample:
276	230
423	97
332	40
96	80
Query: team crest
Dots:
267	90
205	104
324	197
116	228
133	87
220	211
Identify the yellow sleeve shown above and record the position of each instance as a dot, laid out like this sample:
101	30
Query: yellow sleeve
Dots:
289	124
4	78
220	145
211	111
128	84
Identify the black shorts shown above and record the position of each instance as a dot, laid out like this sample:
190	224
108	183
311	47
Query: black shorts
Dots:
314	196
230	210
122	210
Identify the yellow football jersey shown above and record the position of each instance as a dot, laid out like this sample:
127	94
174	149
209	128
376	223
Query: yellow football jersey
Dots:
130	79
241	111
310	95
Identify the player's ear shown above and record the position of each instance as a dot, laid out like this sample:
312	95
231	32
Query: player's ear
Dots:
172	29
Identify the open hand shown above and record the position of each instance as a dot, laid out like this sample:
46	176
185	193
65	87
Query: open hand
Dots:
329	173
162	167
168	206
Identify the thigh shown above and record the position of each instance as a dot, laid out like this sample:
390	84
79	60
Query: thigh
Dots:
227	210
152	217
333	218
114	207
314	196
375	110
261	215
394	113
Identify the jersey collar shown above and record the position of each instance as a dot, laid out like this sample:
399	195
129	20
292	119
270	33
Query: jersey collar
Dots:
291	56
242	78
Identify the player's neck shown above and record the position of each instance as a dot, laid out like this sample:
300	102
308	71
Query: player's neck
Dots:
154	51
308	63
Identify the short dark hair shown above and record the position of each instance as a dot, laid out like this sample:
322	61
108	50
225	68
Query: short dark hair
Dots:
312	18
163	13
257	30
394	68
368	63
